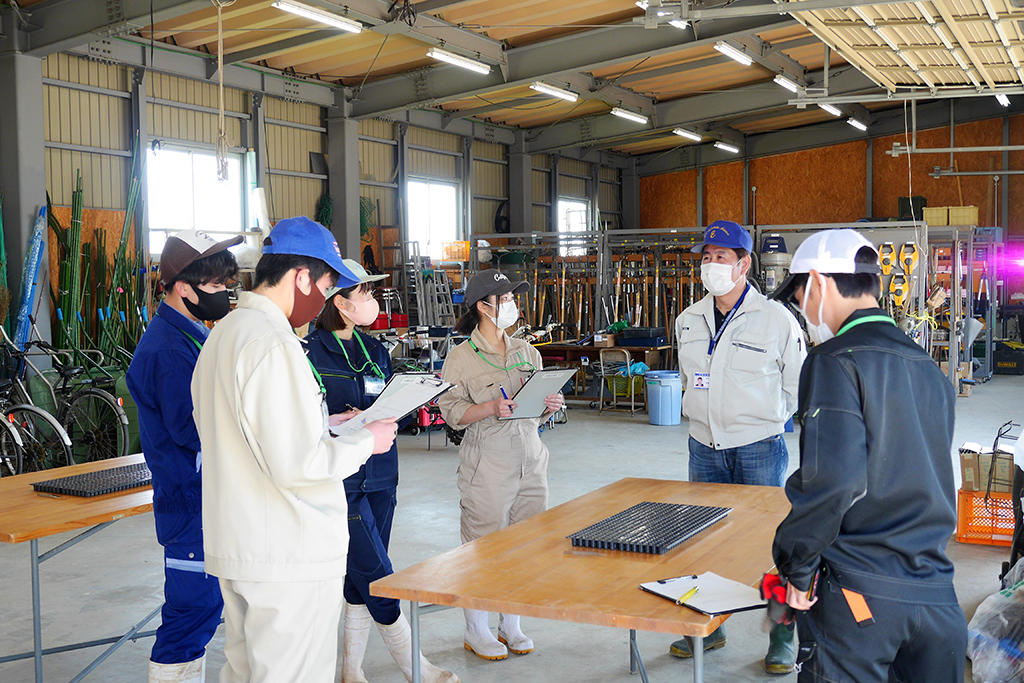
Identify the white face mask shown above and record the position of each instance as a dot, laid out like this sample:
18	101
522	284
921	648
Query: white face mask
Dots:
508	314
717	278
821	332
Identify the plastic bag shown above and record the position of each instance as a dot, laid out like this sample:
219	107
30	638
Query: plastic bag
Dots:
995	634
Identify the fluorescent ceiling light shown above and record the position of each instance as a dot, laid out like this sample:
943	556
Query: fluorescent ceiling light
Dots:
319	15
1002	35
830	109
678	23
732	53
958	54
941	33
688	134
924	13
787	83
857	124
629	115
1002	99
560	93
459	60
726	147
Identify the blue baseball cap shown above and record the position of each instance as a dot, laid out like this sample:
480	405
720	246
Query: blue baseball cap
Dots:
725	234
302	236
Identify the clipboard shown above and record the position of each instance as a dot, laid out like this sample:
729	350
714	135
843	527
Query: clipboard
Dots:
402	395
530	397
715	594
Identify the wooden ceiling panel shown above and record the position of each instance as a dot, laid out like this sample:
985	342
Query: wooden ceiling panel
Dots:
655	144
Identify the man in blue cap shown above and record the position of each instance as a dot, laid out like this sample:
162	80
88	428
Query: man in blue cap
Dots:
739	358
275	517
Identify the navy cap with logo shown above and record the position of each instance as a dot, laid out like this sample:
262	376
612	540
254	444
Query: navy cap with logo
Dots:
491	283
725	234
301	236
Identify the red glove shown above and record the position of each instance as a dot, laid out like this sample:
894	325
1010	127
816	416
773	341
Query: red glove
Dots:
774	591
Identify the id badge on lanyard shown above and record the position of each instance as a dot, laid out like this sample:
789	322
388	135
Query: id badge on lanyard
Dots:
373	385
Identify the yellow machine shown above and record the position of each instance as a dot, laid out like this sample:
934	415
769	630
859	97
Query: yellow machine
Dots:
886	256
909	254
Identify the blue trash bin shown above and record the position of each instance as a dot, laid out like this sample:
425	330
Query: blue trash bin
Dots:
664	397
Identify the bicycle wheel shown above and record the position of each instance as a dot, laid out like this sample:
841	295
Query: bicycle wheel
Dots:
12	453
46	443
96	424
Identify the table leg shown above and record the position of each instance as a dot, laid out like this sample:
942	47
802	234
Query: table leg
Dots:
414	619
697	647
37	625
632	651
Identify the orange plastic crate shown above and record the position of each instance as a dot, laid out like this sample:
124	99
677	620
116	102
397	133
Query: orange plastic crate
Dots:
985	522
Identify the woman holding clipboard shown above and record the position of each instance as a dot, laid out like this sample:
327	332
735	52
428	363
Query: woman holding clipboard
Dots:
354	368
503	465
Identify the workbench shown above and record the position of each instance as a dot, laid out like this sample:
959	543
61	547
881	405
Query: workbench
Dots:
532	569
29	516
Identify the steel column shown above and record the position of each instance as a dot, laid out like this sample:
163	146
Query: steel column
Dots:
343	179
467	186
553	195
520	186
746	191
258	140
630	197
140	128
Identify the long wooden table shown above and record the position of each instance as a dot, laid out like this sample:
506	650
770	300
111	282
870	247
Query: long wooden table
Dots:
29	516
532	569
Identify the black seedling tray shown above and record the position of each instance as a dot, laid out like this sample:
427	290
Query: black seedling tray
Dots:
98	483
653	528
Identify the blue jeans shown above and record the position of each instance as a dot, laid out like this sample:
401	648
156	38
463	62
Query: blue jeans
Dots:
762	463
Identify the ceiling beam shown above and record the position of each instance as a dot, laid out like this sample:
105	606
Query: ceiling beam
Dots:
715	106
835	132
279	46
582	51
449	116
770	57
772	8
55	25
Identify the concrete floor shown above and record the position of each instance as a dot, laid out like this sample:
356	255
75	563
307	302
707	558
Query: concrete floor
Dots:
104	585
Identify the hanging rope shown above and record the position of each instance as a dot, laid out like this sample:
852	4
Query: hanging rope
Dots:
222	135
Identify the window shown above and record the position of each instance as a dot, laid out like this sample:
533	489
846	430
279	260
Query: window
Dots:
183	193
573	216
433	216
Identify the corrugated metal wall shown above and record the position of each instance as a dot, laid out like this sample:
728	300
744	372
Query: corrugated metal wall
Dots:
490	184
541	197
568	184
289	149
74	117
175	124
378	164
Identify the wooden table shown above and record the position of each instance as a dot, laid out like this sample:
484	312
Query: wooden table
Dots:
29	516
532	569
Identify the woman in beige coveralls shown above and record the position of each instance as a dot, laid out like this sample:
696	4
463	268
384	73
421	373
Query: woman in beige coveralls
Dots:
503	465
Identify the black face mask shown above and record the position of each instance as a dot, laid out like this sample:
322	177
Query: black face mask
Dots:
210	307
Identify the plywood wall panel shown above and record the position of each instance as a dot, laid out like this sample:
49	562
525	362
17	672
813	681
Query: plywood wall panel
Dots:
723	192
825	185
1016	182
891	174
669	200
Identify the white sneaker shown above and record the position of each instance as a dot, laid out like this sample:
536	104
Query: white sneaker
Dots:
479	640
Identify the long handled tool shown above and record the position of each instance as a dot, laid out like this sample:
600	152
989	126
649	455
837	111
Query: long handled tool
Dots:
618	290
657	285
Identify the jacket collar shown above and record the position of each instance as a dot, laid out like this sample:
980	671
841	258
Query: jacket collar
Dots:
481	343
171	316
863	313
258	302
753	301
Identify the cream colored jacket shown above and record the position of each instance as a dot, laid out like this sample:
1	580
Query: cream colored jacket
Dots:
754	371
274	506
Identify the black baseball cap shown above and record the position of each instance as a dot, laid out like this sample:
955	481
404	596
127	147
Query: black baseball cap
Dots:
492	282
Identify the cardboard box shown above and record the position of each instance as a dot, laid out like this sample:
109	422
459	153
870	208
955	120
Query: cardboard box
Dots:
975	466
603	340
966	371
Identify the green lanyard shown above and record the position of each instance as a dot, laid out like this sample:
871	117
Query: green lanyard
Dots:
199	344
316	374
866	319
369	361
498	367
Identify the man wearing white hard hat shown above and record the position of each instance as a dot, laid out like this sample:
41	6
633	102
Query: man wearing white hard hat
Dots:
873	503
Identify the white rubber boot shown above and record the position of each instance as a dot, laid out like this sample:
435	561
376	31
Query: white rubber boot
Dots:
479	640
398	638
510	634
357	633
185	672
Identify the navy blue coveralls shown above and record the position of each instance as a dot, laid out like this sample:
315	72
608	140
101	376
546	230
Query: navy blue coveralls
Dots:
370	491
159	379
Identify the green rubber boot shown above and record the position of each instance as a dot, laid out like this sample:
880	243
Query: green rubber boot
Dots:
713	641
781	657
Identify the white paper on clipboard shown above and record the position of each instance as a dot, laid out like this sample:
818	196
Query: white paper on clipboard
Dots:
403	394
530	397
